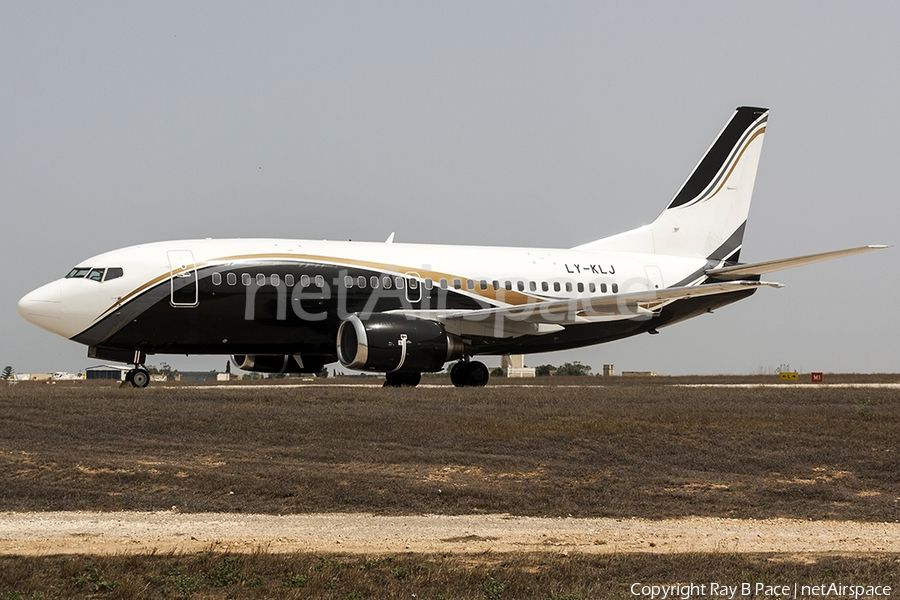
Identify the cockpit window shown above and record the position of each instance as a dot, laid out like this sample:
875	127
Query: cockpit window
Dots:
114	273
95	274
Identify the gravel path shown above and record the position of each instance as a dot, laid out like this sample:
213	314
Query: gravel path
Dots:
107	533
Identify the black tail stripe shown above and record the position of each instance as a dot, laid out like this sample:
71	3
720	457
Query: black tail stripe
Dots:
717	155
731	245
733	242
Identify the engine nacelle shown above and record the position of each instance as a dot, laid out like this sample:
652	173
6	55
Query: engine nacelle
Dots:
278	363
388	343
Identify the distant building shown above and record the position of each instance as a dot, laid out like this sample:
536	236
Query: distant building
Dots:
65	376
513	365
638	373
115	373
197	376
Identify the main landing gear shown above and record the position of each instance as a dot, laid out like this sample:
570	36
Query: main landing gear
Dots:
469	374
402	379
139	377
464	373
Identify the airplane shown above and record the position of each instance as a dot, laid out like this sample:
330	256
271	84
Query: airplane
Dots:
294	306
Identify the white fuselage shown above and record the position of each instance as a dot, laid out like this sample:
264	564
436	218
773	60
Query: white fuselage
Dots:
69	306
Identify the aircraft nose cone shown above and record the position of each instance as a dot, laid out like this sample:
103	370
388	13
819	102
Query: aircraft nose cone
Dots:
41	307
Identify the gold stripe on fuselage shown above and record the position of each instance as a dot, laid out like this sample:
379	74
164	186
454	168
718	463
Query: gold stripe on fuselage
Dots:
510	297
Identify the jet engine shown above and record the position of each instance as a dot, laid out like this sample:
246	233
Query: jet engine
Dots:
278	363
388	343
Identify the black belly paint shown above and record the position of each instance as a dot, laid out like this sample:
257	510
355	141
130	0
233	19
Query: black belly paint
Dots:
280	320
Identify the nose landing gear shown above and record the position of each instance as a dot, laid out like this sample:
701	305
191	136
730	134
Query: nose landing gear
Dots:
139	377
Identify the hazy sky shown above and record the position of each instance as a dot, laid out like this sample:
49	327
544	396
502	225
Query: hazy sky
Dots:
508	123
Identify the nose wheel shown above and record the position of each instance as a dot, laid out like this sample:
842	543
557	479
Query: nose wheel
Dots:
469	374
139	377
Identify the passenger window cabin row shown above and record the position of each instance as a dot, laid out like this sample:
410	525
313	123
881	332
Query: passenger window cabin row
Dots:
388	282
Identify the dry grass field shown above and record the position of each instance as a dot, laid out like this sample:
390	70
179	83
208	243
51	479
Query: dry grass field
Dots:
542	576
633	449
624	451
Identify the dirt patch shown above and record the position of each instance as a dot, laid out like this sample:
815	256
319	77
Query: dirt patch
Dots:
353	470
130	532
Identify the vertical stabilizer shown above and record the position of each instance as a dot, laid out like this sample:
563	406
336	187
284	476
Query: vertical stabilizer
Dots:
707	216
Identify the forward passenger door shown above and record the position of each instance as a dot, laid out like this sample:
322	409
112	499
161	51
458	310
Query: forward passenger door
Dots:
183	290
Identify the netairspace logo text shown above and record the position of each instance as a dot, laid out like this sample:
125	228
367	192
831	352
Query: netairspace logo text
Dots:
686	591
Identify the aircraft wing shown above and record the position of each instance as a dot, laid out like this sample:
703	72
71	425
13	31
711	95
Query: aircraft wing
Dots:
576	310
761	268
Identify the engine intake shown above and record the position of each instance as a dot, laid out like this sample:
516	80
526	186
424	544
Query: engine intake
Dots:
278	363
389	343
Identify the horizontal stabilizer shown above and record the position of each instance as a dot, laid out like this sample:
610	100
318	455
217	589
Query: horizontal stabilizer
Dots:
761	268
